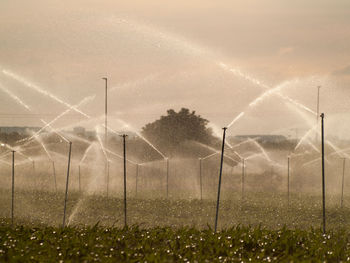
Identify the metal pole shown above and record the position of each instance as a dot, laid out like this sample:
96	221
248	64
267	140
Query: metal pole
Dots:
342	185
288	179
318	108
13	186
200	178
318	104
106	134
220	174
243	174
79	179
106	96
167	177
136	179
124	155
323	177
67	183
54	175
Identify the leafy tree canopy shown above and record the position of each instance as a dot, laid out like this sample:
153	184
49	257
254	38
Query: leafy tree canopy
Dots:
177	127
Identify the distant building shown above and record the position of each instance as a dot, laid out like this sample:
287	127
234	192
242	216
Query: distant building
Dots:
19	130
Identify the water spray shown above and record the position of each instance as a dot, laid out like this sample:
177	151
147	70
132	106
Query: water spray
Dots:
82	102
220	175
141	136
67	183
106	163
40	90
14	97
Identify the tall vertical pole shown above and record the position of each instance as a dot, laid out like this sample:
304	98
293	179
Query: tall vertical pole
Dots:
54	175
342	185
124	155
79	179
67	183
13	186
106	134
106	96
323	177
288	179
136	179
243	175
220	175
200	178
318	109
167	177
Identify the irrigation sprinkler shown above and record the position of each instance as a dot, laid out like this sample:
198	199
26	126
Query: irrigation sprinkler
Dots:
136	178
13	186
243	175
54	175
200	179
220	175
323	175
67	183
288	174
124	155
342	185
167	177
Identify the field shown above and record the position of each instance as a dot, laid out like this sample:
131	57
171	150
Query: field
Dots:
239	244
262	227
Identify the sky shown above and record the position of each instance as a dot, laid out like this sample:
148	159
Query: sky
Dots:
214	57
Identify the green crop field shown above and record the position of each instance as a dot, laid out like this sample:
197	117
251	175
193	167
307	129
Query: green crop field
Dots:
238	244
261	228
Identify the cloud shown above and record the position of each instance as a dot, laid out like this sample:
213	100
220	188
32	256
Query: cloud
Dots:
343	71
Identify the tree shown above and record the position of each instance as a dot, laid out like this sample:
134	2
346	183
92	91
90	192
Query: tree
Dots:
172	130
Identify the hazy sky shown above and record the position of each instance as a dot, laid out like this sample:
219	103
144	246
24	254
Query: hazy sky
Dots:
167	54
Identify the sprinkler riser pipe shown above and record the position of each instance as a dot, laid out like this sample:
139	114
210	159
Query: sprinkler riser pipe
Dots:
323	177
220	176
67	184
13	188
